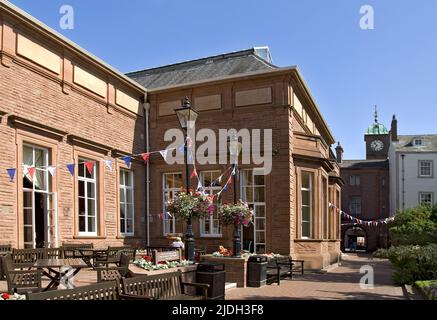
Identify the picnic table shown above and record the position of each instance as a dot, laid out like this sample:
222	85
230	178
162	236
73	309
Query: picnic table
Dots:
49	266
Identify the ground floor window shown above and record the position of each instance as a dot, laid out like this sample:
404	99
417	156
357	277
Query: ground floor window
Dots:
306	204
426	198
172	184
210	227
252	183
126	202
87	197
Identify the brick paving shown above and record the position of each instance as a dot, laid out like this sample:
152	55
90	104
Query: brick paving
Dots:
338	284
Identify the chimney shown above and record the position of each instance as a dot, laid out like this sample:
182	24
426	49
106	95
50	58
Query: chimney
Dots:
394	129
339	152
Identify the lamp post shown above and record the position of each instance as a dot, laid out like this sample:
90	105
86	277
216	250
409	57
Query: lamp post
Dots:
234	151
187	118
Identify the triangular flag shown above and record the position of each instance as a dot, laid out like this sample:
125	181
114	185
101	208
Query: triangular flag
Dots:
128	161
182	148
108	164
164	154
52	170
31	172
193	174
199	186
234	171
145	157
11	173
70	168
89	166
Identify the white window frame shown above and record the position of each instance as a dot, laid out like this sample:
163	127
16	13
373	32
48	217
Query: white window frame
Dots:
310	190
418	142
423	193
431	169
354	180
124	189
210	190
173	191
86	180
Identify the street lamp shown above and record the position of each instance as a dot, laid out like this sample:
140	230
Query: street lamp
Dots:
187	117
234	151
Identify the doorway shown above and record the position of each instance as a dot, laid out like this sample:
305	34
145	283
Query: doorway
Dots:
355	239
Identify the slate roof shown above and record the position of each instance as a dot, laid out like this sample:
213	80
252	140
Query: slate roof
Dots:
227	64
359	164
406	143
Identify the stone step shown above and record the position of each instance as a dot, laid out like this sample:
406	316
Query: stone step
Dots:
230	285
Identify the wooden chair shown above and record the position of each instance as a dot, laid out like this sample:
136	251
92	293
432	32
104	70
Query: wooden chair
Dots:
114	273
72	250
4	249
114	254
20	281
100	291
168	286
26	258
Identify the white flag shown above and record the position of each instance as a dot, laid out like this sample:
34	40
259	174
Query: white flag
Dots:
199	186
108	164
164	154
52	170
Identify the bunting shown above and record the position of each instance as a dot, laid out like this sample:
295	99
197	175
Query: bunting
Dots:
11	173
31	172
164	154
51	170
359	221
194	173
89	166
128	161
108	164
145	157
71	168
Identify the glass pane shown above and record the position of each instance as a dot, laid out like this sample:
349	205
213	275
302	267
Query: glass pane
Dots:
122	177
260	248
306	198
122	195
82	224
248	193
306	212
81	168
177	181
129	195
259	180
207	227
207	179
127	179
91	190
129	225
260	224
28	156
92	174
305	229
91	207
82	206
122	226
40	179
260	211
81	188
122	211
28	216
39	158
247	177
259	194
91	224
260	237
27	199
28	234
305	180
129	211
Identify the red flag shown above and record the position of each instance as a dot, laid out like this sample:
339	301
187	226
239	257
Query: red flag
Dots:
90	166
194	173
31	172
145	157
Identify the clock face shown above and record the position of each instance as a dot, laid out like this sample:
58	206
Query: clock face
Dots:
377	145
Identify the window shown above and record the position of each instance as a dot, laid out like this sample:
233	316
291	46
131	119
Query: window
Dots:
253	192
426	198
210	227
425	168
418	142
126	202
354	180
355	205
172	184
87	199
306	207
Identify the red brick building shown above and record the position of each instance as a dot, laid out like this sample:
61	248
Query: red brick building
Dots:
60	105
365	194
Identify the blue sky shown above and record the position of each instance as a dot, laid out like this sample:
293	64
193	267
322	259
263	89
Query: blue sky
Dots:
348	70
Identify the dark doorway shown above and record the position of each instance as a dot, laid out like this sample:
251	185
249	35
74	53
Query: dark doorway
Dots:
39	220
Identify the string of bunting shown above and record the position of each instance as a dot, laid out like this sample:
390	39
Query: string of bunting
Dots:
355	220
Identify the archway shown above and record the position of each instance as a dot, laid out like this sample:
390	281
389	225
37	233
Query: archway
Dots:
355	239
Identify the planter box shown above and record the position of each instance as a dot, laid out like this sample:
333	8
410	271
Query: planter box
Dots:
235	268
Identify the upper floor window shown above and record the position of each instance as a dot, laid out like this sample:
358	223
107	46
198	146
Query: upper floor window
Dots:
425	168
354	180
355	205
426	198
418	142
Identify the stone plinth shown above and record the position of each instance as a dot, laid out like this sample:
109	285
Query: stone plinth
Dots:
235	268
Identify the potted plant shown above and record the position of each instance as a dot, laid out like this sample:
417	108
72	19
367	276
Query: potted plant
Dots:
236	214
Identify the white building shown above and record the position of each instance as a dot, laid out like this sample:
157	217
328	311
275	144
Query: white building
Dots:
412	159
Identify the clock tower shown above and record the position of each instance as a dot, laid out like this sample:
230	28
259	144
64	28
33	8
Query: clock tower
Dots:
377	140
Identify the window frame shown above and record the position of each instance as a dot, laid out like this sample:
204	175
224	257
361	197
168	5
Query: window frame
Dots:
310	205
124	188
202	221
172	190
431	168
421	193
353	212
354	180
86	180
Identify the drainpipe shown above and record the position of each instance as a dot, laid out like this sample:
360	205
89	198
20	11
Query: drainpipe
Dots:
146	107
403	181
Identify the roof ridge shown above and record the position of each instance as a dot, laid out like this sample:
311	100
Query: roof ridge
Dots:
240	53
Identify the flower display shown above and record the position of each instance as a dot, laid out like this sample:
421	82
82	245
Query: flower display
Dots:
189	205
236	214
15	296
162	265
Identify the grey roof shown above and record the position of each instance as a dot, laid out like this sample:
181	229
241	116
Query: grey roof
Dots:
227	64
358	164
406	143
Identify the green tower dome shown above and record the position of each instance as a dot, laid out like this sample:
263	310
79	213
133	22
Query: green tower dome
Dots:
376	128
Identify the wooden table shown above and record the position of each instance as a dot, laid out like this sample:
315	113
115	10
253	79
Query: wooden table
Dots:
55	276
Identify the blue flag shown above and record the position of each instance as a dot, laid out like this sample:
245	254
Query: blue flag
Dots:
11	173
128	161
71	168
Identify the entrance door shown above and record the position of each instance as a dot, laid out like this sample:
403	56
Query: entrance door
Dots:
39	204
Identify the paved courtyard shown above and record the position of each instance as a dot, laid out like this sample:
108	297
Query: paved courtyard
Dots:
342	282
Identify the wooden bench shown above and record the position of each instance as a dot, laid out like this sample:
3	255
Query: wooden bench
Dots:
168	286
26	258
278	268
20	281
108	273
4	250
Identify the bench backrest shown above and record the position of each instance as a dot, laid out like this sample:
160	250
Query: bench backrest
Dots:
158	286
162	256
108	290
114	253
5	248
25	258
69	250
